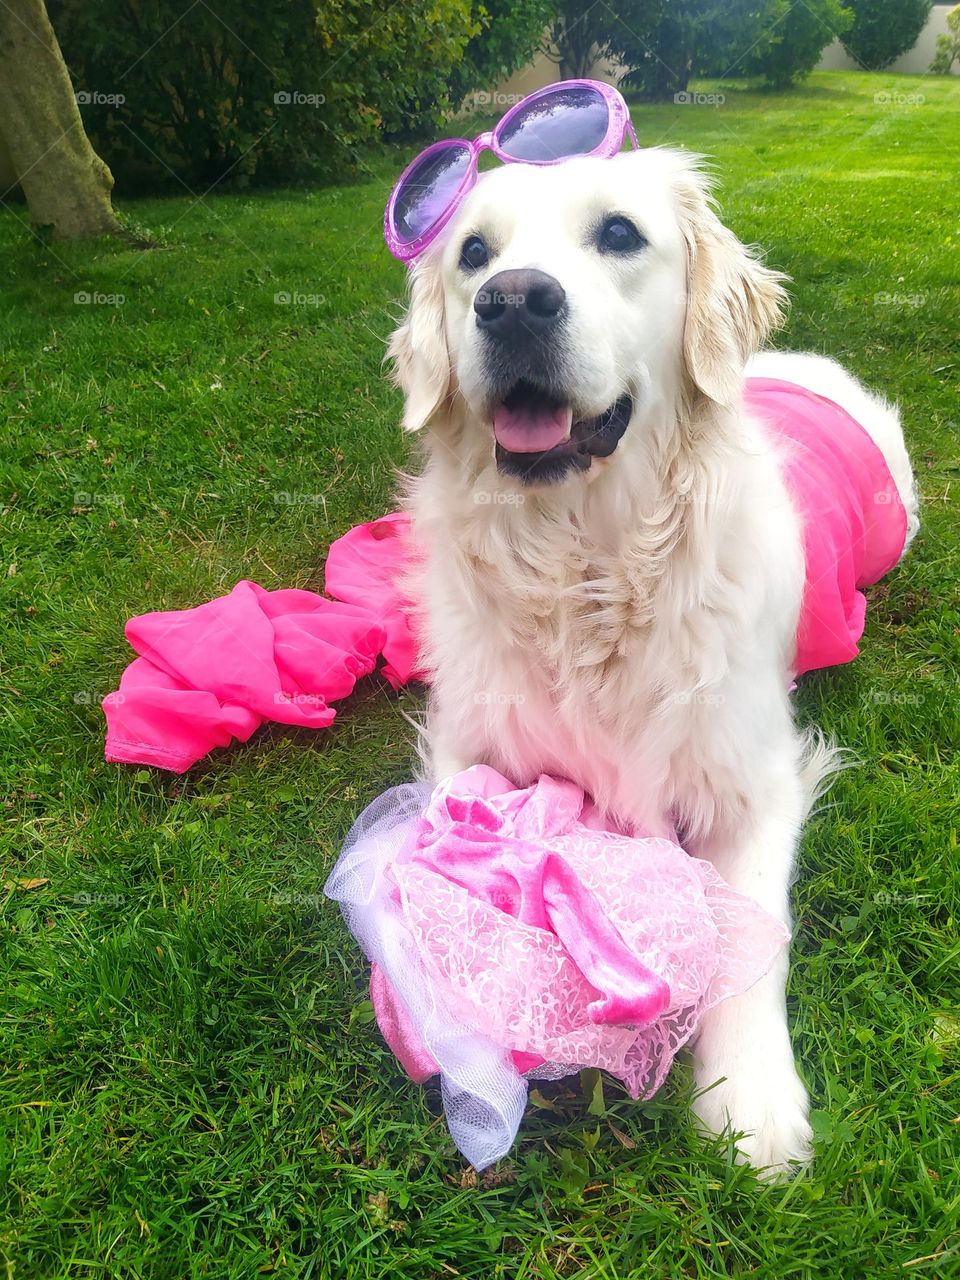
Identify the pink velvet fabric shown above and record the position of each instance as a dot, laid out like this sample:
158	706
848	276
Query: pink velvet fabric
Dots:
498	917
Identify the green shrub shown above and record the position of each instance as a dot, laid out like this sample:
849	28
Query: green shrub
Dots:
272	92
510	32
883	29
798	40
663	43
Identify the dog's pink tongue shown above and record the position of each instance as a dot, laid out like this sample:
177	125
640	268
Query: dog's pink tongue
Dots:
530	430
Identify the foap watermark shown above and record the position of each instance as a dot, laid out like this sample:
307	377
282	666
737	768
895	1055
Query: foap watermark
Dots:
506	901
688	98
484	99
299	700
699	698
99	899
891	898
295	98
893	698
495	298
286	499
894	98
289	899
498	698
909	300
84	498
87	698
291	298
94	98
86	298
499	498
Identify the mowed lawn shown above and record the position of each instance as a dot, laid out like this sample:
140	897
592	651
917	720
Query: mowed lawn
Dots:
191	1084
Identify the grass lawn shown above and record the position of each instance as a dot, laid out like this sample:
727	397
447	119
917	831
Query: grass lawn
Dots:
191	1084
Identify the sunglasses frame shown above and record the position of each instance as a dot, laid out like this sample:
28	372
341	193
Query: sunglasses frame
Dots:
619	126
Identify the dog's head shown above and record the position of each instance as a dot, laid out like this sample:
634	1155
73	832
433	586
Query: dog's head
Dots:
561	301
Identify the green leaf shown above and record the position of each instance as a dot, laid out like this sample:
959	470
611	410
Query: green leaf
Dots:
493	1237
590	1138
821	1122
591	1082
536	1099
575	1171
843	1132
363	1013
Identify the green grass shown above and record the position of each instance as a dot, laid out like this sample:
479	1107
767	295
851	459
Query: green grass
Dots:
191	1083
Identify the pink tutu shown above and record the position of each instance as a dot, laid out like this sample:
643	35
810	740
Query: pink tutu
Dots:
513	938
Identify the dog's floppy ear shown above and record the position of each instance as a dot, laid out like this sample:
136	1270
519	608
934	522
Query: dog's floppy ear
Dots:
733	301
418	348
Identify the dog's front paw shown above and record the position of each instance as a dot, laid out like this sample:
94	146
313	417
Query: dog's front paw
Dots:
764	1106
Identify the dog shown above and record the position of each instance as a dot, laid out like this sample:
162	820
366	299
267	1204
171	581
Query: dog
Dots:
613	597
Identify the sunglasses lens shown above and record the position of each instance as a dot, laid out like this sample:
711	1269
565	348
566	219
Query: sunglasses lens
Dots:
428	190
570	122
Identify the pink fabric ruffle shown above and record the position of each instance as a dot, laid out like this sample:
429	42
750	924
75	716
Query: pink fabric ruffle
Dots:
212	675
209	675
365	568
498	917
854	523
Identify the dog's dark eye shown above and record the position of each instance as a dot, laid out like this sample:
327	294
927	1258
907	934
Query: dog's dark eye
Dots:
474	254
617	235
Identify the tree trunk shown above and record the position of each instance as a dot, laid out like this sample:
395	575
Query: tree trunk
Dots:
66	184
574	49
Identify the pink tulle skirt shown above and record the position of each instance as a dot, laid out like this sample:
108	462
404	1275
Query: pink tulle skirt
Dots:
512	937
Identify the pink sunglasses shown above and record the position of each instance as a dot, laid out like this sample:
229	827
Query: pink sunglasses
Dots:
572	118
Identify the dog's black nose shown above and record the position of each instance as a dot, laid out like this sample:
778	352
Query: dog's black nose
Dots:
513	304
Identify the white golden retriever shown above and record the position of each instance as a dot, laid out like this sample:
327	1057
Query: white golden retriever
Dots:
622	611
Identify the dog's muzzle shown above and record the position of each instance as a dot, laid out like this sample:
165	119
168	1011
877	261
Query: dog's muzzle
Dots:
521	315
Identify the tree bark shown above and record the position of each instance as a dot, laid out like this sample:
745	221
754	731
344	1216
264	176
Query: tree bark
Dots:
573	48
66	184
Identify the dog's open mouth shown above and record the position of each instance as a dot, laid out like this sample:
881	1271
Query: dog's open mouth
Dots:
539	441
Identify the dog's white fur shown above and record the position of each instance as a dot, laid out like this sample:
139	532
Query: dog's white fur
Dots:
632	627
